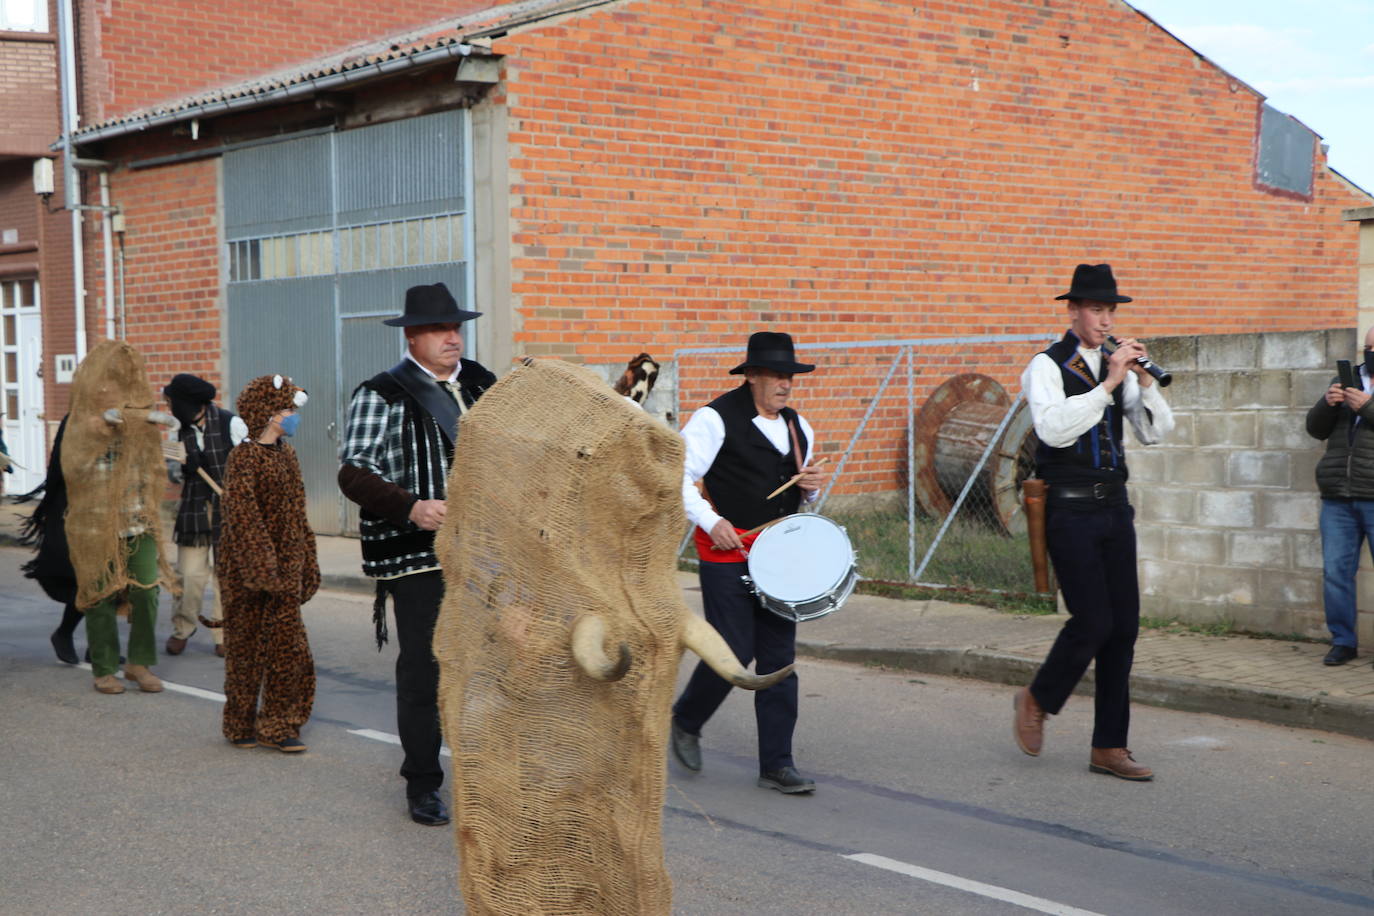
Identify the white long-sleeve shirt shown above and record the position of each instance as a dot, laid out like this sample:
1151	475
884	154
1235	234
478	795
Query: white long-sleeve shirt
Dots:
1060	420
705	434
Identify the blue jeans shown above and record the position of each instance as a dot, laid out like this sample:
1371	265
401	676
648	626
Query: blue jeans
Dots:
1345	525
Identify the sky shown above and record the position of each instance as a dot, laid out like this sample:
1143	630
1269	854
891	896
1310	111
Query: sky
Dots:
1313	59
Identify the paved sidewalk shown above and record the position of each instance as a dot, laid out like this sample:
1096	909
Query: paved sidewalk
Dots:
1277	681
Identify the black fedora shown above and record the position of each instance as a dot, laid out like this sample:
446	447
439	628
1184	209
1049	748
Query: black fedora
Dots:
1095	283
771	350
430	305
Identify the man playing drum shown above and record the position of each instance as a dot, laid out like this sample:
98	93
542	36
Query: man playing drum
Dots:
744	445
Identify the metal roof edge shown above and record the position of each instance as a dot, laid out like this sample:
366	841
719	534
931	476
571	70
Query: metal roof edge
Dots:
294	87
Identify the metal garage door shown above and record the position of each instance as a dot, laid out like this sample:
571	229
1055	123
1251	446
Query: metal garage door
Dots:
324	234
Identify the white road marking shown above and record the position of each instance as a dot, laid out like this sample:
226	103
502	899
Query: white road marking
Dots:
387	738
369	733
177	688
1003	894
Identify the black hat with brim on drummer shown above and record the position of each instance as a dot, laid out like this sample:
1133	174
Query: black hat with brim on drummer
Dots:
772	350
432	304
1094	283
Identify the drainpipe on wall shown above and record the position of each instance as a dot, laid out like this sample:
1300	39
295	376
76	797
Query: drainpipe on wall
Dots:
107	238
67	65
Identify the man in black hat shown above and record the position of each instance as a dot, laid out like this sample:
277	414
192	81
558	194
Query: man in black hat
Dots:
743	445
207	434
401	427
1079	394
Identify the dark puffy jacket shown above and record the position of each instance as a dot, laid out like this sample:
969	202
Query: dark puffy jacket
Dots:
1346	471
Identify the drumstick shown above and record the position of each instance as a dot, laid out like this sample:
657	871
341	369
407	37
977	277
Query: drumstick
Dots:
755	530
795	478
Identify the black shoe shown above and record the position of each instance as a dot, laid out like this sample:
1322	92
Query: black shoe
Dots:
87	656
286	745
686	747
428	809
64	647
787	781
244	742
1339	655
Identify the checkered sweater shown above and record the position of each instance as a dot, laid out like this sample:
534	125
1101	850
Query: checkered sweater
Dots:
392	436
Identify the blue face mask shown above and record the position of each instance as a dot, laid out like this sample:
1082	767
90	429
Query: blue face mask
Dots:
289	424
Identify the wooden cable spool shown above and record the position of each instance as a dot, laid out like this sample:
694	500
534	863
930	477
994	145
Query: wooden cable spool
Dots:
952	430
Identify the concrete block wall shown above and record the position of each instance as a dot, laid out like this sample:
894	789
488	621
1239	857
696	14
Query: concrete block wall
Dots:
1227	505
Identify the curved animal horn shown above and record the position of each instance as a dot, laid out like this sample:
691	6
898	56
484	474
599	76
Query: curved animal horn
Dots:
588	649
702	638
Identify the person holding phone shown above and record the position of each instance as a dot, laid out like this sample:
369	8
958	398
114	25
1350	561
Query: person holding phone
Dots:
1344	419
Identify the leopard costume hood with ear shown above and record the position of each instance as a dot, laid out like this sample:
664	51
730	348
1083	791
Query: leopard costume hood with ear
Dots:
264	397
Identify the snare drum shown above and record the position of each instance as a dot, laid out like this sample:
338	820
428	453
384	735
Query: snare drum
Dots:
802	567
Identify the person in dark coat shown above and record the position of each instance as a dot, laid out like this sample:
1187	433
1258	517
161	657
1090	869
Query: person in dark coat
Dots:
207	433
1344	419
51	566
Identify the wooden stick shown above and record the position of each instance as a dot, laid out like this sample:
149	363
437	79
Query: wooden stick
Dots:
795	478
219	491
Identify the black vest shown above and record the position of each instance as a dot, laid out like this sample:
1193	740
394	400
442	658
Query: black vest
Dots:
1097	456
747	467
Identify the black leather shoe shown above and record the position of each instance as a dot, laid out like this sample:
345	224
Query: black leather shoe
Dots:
64	647
428	809
787	781
1339	655
686	747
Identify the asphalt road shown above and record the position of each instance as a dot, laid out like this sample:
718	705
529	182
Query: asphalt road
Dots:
136	803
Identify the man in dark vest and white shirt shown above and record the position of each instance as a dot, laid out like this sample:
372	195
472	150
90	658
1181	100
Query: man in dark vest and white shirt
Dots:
398	444
743	445
1079	396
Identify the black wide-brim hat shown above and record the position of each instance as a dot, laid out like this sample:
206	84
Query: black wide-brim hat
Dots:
430	305
771	350
1093	282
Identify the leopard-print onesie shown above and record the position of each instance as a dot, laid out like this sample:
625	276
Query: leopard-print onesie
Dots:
267	569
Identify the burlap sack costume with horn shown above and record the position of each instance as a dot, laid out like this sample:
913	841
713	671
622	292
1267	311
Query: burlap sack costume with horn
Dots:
114	471
558	645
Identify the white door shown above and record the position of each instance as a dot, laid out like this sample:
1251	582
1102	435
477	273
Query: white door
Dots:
21	384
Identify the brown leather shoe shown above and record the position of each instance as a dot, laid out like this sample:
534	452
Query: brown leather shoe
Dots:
146	680
219	649
1027	722
1118	762
108	683
175	645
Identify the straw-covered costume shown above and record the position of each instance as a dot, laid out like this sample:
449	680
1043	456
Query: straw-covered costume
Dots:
267	569
558	645
112	464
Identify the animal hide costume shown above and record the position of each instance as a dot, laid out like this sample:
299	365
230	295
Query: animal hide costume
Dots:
559	542
267	569
113	470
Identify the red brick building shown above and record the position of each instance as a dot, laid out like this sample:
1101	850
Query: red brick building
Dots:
605	176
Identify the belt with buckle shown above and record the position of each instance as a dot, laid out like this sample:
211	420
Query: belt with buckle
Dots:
1097	491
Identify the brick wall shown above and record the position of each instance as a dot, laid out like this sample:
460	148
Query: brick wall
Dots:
172	271
1227	504
139	52
685	172
28	94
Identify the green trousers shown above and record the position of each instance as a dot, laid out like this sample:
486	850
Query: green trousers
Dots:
102	621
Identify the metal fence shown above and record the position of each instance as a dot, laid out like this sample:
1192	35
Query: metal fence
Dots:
928	442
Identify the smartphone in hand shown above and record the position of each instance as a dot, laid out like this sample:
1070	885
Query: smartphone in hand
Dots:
1347	374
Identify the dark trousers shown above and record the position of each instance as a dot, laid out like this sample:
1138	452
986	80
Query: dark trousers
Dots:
1093	552
754	634
416	599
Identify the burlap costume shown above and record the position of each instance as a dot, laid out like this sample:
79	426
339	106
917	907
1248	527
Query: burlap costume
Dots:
564	514
114	473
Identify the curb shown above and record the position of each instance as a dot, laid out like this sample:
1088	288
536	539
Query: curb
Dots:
1276	707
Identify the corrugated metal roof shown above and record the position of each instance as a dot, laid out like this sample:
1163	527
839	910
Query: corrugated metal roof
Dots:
442	41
